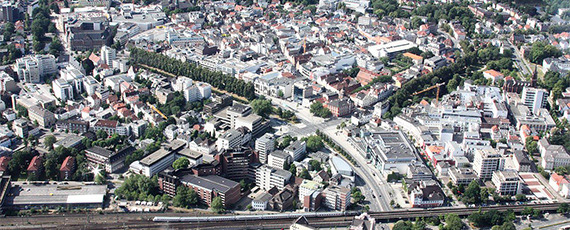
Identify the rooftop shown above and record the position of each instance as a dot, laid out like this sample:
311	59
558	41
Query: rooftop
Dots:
155	157
210	182
72	193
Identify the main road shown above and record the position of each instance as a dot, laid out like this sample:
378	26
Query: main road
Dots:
378	194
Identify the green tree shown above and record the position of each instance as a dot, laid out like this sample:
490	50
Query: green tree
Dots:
100	179
319	110
305	174
563	208
262	107
541	50
49	141
181	163
472	194
314	143
505	226
453	222
293	169
217	205
402	225
185	197
316	165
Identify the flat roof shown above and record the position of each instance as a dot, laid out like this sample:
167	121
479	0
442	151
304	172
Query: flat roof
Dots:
340	164
210	182
72	193
190	154
69	141
155	157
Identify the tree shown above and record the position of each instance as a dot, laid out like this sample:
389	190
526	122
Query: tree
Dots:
356	195
185	197
305	174
100	179
541	50
181	163
504	226
293	169
217	205
316	165
453	222
472	194
563	208
402	225
262	107
319	110
314	143
49	141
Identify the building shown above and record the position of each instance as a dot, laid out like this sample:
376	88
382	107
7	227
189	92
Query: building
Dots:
425	194
71	141
267	177
72	126
31	68
302	223
108	54
462	176
389	150
560	184
35	168
283	200
235	163
110	127
534	98
390	49
4	160
507	182
264	145
363	222
261	202
62	89
211	186
277	159
340	107
337	198
156	162
486	161
340	166
552	156
67	168
87	34
44	117
52	196
233	138
109	160
296	150
307	188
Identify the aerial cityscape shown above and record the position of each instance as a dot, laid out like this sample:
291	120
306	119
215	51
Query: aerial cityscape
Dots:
285	114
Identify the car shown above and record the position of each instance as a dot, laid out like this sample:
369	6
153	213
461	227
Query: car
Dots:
373	196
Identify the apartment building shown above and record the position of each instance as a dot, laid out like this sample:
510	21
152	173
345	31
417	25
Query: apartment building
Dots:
264	145
44	117
296	150
337	198
30	69
267	177
211	186
507	182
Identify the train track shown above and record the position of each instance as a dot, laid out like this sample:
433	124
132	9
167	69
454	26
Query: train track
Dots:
128	221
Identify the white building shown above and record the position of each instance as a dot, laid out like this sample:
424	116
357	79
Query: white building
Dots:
260	202
552	156
560	184
232	138
62	89
264	145
307	188
156	162
507	182
278	158
32	68
108	54
296	150
486	161
267	177
534	98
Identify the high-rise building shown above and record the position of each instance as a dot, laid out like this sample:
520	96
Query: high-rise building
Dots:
108	54
264	145
534	98
507	182
486	161
337	198
267	177
235	163
31	68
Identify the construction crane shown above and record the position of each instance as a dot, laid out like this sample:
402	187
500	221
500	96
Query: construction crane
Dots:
156	110
430	88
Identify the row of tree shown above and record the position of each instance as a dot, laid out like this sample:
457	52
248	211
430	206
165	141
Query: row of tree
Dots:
216	79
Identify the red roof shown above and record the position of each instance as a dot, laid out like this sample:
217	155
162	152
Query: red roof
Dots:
107	123
4	163
35	164
560	180
68	164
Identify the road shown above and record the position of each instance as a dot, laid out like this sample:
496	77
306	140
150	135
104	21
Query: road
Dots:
310	124
367	172
519	60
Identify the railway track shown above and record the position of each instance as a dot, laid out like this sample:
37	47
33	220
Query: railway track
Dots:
144	220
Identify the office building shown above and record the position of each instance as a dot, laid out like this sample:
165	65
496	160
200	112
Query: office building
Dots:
296	150
486	161
534	98
156	162
235	163
31	68
337	198
507	183
108	54
264	145
267	177
211	186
